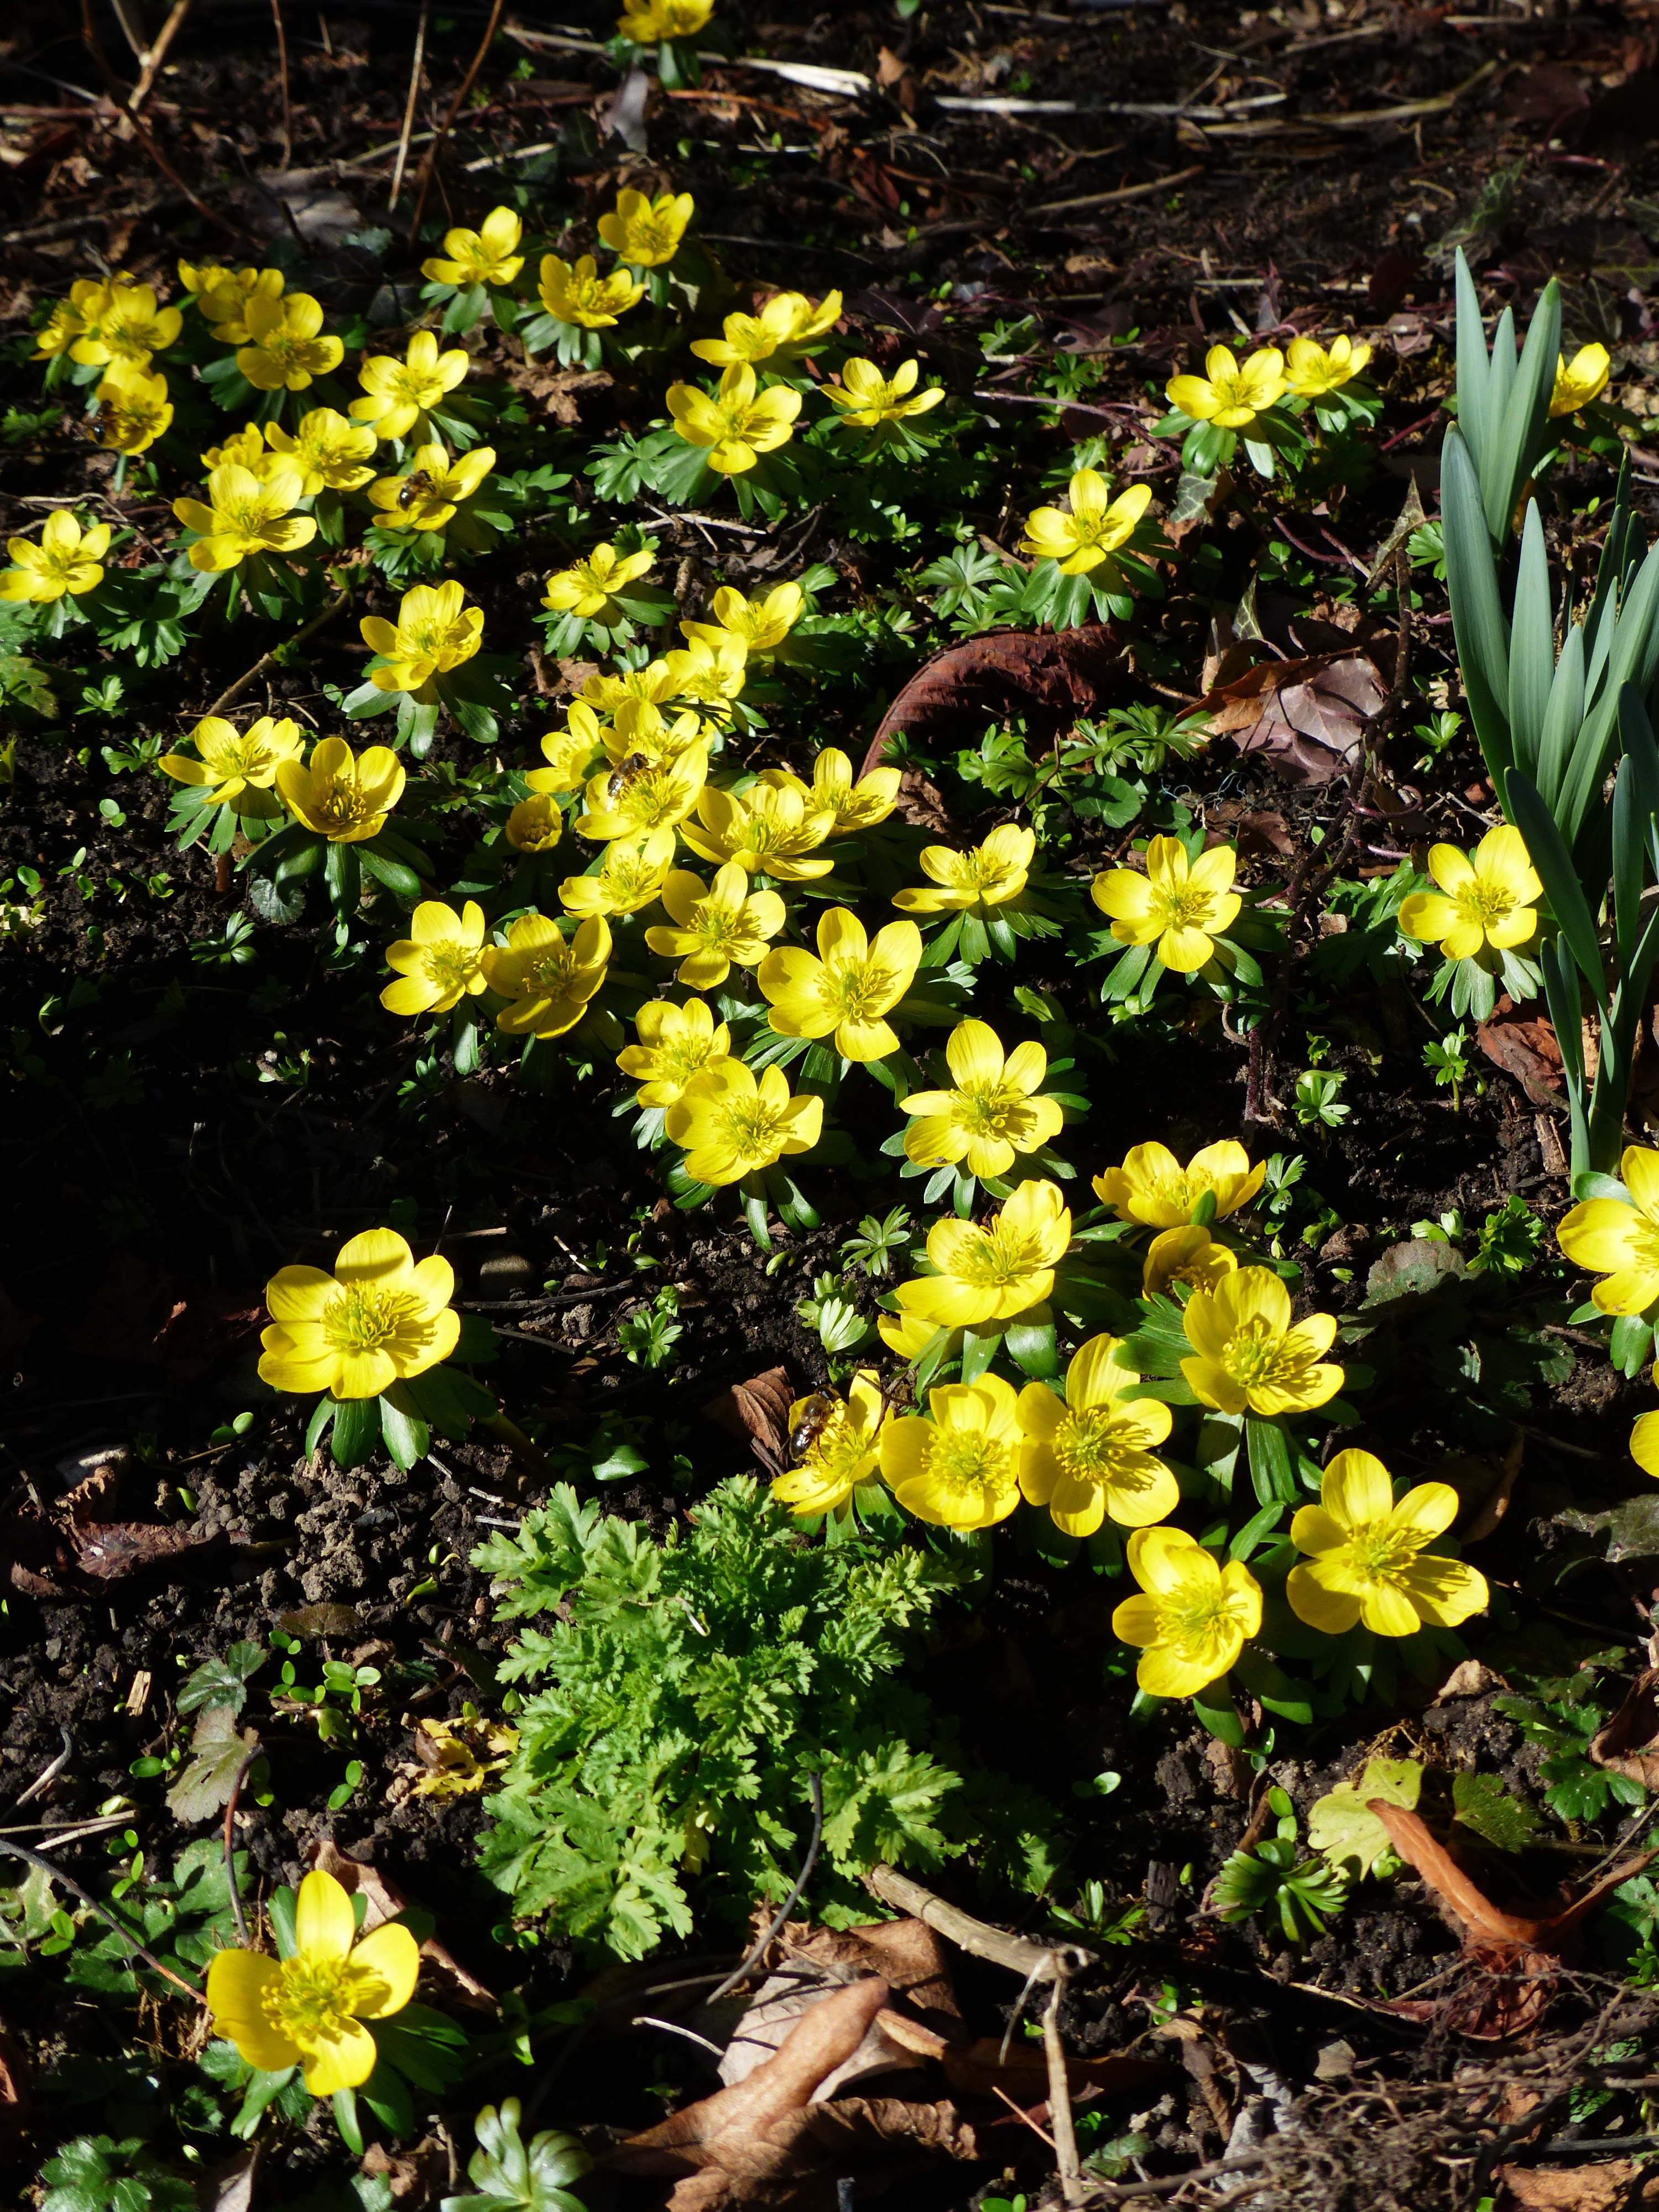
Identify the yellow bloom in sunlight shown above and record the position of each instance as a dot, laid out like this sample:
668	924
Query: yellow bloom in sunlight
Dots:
991	1113
434	633
572	754
379	1318
675	1043
865	398
1087	1455
586	586
227	294
1369	1558
987	875
535	826
623	801
1180	906
231	764
1645	1442
309	2010
1581	380
1195	1616
334	453
787	326
244	449
1151	1185
647	232
440	963
580	296
1619	1241
734	423
995	1272
550	978
907	1336
1231	392
641	730
760	625
489	255
1097	526
845	993
1310	370
1248	1356
427	498
630	877
956	1467
67	560
768	831
133	410
399	395
1189	1255
122	322
63	326
285	349
244	514
647	23
858	805
716	926
1487	897
711	669
731	1125
844	1453
344	797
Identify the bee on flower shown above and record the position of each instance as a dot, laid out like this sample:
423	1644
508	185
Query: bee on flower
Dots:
657	796
133	408
68	563
788	327
433	492
644	232
839	1464
675	1043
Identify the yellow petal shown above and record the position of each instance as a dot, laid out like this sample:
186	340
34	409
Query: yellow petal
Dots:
1356	1490
324	1921
345	2062
236	1981
391	1953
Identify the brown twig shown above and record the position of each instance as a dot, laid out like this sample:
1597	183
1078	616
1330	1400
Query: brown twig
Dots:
150	63
436	148
281	62
235	691
1037	1962
112	84
1059	2096
409	106
780	1921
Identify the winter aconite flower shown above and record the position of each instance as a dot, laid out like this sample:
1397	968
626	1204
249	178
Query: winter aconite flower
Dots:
958	1467
224	296
990	1113
621	802
309	2010
1487	897
244	514
1088	1455
489	255
649	22
1231	392
1369	1562
67	562
845	993
230	763
435	632
769	831
855	806
440	963
1180	906
1189	1255
344	797
845	1451
333	453
399	395
734	424
580	296
1581	380
120	321
732	1126
992	1271
675	1043
865	399
1248	1356
787	326
1151	1186
536	825
629	879
647	232
550	978
1195	1614
985	876
715	927
586	586
133	408
1097	526
379	1319
244	449
1620	1240
759	625
285	349
1311	370
427	498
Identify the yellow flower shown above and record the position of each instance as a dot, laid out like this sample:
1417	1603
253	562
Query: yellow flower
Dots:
586	586
844	1453
246	515
1179	905
427	498
647	232
787	326
399	395
379	1319
1618	1241
1311	370
571	753
987	875
676	1044
651	684
231	764
244	449
621	802
332	452
731	1125
715	925
1095	526
865	398
647	23
224	296
548	977
309	2010
580	296
1581	380
1645	1442
759	625
907	1336
958	1466
535	826
62	326
630	877
1151	1185
434	633
341	796
440	963
1195	1618
1369	1562
68	560
711	669
1248	1356
991	1113
1489	897
284	350
489	255
734	423
120	321
1189	1255
133	410
858	805
1089	1454
993	1272
640	732
768	831
845	993
1231	392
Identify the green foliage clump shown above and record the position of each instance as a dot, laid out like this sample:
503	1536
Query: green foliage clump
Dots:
95	2173
505	2170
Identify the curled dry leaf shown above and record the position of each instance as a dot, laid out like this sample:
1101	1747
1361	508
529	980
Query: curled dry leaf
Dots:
1629	1743
1049	676
1306	717
1525	1047
756	1413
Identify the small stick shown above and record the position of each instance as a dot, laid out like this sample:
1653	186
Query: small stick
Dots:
49	1773
448	124
230	1847
1059	2096
814	1783
408	105
673	2027
1040	1962
1020	2113
282	58
112	85
158	53
269	659
50	1867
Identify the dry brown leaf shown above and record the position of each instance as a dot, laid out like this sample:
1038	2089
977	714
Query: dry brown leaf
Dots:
1629	1743
1606	2186
757	1413
386	1901
1051	677
1524	1046
1306	717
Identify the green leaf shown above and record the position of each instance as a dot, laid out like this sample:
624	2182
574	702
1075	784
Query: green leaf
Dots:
1551	858
1483	1804
403	1431
217	1751
1352	1839
1532	647
356	1431
1478	625
1272	1468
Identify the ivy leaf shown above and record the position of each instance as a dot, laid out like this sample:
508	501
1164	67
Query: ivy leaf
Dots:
1352	1838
